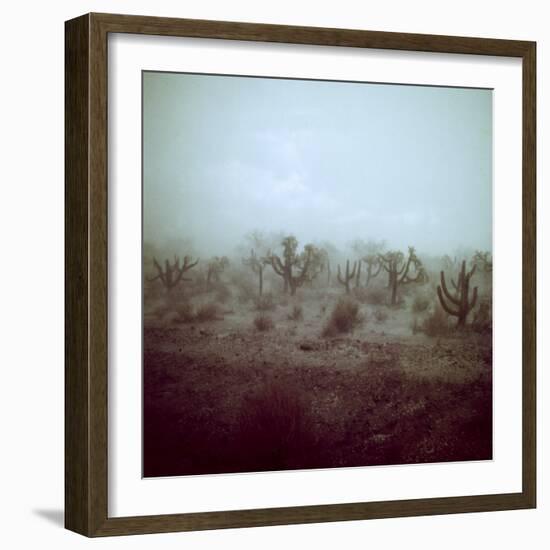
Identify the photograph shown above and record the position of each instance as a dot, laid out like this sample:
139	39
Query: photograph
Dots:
317	274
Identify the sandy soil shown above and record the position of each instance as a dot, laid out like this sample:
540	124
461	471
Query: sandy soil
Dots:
221	396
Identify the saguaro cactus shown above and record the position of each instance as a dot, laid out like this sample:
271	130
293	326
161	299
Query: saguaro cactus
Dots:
350	275
358	274
458	304
398	270
172	274
257	265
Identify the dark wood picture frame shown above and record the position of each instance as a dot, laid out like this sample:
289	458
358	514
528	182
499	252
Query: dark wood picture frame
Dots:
86	369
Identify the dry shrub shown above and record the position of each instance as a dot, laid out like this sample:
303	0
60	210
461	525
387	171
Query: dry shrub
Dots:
160	310
207	312
223	293
297	313
275	427
246	289
420	303
360	294
185	311
263	322
345	317
283	300
265	302
381	315
483	318
435	324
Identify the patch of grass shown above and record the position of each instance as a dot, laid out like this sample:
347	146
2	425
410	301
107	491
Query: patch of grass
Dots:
345	317
263	322
297	314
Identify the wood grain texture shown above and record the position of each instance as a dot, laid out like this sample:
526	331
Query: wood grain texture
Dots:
86	283
529	274
77	153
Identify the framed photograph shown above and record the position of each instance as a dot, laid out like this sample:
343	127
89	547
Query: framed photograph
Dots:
300	274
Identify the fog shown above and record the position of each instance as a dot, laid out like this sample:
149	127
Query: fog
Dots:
325	161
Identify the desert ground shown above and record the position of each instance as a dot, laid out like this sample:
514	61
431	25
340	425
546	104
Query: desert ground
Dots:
238	382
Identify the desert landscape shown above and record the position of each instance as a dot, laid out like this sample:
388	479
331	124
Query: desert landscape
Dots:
301	357
316	274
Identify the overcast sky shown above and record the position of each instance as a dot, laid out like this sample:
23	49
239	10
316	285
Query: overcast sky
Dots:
324	161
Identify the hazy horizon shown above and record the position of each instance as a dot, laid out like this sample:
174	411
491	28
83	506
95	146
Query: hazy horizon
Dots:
325	161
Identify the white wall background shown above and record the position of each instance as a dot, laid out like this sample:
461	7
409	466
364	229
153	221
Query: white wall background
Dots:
31	277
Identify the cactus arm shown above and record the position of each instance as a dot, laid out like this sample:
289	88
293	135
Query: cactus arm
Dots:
186	265
446	308
472	271
404	272
472	304
300	279
353	271
277	265
339	276
448	295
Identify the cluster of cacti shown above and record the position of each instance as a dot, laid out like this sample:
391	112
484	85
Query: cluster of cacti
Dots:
348	276
399	268
374	265
458	303
172	273
257	265
214	269
295	268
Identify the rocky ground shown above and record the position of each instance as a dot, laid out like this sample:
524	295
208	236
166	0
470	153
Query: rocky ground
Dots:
221	396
